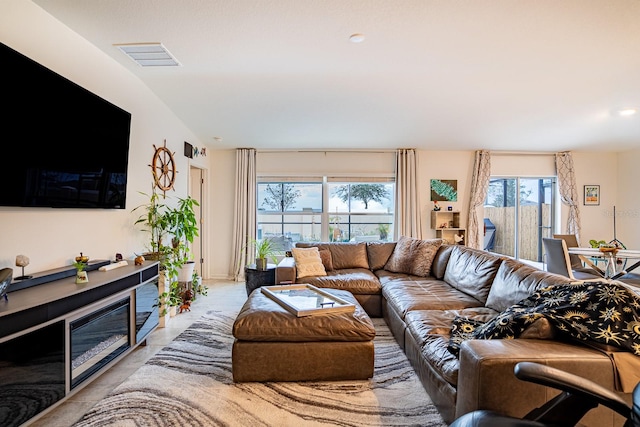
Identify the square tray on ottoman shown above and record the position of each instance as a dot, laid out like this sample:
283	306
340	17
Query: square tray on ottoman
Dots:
272	344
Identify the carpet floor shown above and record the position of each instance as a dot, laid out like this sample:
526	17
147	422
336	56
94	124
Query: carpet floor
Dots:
189	383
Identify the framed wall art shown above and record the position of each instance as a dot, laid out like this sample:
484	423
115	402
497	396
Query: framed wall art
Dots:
444	190
591	195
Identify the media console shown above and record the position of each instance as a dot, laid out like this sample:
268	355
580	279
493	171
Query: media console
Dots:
57	336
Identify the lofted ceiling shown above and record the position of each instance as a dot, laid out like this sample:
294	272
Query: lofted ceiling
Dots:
516	75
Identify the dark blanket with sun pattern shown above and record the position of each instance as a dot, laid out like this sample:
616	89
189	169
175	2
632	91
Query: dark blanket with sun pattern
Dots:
597	312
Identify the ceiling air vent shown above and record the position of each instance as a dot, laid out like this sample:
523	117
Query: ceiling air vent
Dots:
149	54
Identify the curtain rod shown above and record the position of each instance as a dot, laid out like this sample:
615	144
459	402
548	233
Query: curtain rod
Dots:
522	153
326	151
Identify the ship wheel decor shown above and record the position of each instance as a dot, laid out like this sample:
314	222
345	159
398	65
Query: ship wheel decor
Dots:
163	168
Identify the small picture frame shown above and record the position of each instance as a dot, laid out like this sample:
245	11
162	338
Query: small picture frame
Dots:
591	195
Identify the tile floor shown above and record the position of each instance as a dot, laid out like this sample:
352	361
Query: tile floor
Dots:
221	296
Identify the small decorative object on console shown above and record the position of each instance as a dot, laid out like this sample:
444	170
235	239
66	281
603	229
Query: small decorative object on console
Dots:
138	260
22	261
114	265
5	280
81	275
436	207
82	258
118	257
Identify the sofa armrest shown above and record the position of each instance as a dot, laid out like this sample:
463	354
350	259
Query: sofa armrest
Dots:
486	377
286	271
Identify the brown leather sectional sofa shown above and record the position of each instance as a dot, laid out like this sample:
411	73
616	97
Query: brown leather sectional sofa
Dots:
477	284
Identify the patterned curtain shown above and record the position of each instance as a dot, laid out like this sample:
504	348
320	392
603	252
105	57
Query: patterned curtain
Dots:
479	187
568	191
244	227
407	196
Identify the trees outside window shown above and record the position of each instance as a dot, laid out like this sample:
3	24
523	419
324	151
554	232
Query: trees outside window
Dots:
323	210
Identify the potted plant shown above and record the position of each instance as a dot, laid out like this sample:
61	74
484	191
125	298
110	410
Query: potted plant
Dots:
182	223
155	222
265	249
81	275
168	301
383	230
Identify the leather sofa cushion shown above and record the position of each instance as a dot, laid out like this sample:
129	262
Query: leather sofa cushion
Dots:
355	280
472	271
327	260
404	292
515	281
379	253
440	261
343	254
262	319
424	325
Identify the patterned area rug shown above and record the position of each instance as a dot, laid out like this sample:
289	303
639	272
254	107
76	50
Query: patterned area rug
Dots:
189	383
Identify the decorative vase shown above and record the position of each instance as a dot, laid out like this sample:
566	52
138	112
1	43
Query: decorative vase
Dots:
261	264
172	311
81	277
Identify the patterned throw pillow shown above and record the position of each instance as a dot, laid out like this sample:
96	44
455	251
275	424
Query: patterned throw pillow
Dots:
413	256
462	329
308	262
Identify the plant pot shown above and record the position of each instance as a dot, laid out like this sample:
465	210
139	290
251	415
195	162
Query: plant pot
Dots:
185	273
82	277
172	311
261	264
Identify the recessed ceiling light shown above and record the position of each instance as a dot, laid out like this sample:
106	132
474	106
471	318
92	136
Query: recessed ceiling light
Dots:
149	54
356	38
627	111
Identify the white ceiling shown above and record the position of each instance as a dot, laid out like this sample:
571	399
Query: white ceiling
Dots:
531	75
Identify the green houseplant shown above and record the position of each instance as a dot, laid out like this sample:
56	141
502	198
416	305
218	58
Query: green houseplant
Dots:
265	249
154	221
182	223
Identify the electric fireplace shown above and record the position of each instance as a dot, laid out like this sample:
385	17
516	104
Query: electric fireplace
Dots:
98	338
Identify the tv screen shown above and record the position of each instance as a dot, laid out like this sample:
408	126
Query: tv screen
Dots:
62	146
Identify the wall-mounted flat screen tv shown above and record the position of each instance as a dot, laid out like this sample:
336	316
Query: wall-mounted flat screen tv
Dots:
62	146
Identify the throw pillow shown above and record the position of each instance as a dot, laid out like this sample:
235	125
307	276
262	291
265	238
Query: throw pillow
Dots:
308	262
413	256
327	260
462	329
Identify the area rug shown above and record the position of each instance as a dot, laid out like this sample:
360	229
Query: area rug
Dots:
189	383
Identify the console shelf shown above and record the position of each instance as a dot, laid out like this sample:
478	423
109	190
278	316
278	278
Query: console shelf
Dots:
58	336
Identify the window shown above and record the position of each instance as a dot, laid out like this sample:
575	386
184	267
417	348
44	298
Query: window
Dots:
360	211
325	209
522	212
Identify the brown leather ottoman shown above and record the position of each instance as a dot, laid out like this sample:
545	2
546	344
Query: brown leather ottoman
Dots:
272	344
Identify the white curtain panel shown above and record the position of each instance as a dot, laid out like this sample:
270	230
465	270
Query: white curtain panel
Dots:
568	191
479	187
407	204
244	227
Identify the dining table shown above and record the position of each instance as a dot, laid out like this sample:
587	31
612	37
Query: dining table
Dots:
611	259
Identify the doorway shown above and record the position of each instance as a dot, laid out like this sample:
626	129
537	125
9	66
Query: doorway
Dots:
522	211
197	192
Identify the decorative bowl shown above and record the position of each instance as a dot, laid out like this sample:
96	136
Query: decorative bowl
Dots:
608	249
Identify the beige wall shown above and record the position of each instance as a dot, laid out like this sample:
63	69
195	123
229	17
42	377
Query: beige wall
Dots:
628	199
53	237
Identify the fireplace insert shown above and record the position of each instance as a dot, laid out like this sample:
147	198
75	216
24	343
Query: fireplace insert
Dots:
98	338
